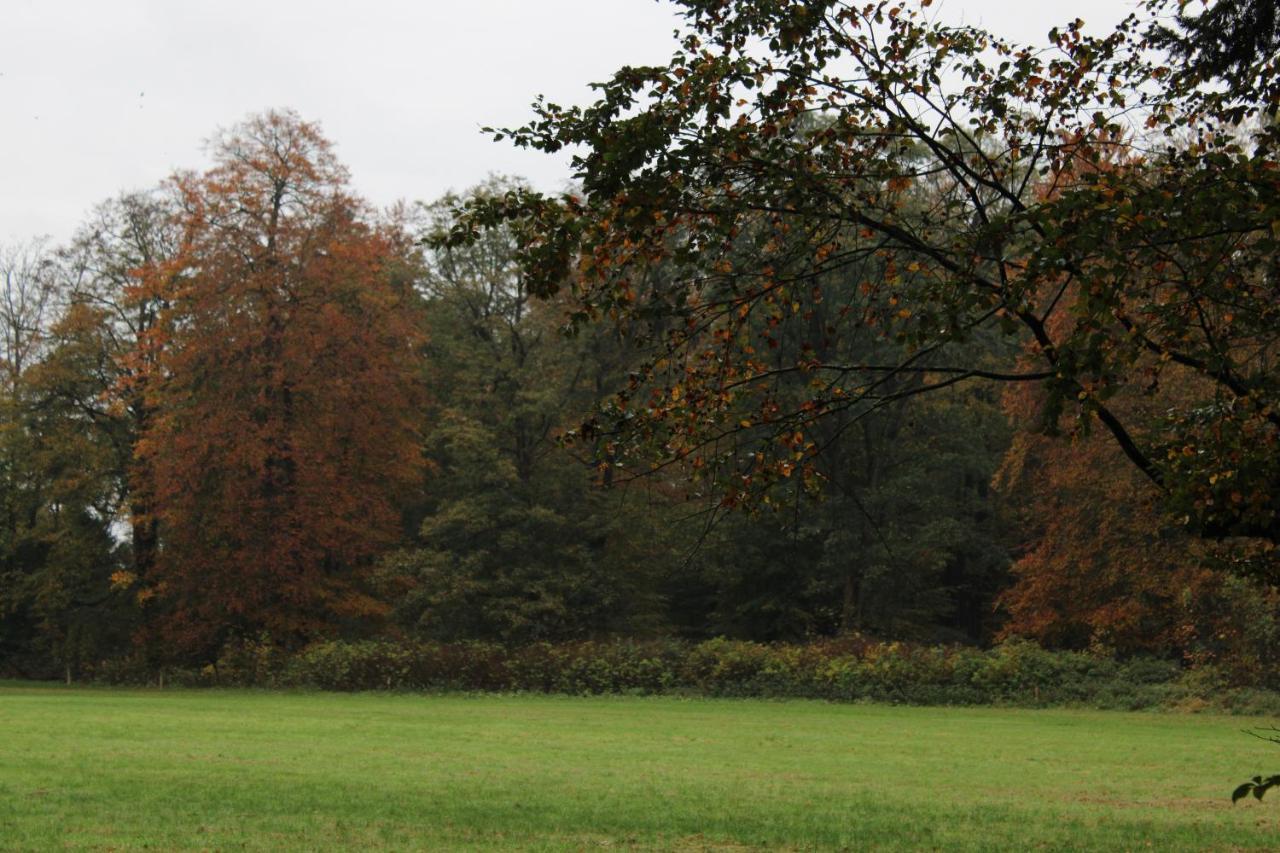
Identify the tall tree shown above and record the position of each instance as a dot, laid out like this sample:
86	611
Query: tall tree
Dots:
283	392
106	350
1097	569
787	141
904	539
57	608
516	545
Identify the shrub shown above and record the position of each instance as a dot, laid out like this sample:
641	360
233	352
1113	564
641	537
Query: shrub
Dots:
1016	672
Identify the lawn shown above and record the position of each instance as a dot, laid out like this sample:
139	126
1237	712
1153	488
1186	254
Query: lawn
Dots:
126	769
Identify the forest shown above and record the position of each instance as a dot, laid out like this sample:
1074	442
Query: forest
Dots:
855	329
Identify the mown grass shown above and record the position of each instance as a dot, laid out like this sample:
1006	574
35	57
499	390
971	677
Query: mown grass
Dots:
205	769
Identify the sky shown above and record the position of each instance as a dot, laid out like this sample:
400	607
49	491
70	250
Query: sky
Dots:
101	97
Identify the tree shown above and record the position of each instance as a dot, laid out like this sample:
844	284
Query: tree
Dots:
58	554
790	141
282	385
1097	569
57	609
27	306
905	540
1226	39
106	349
514	544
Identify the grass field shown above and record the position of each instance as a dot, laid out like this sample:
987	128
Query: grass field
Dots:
127	769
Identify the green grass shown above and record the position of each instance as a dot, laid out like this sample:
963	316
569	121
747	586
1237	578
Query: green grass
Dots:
177	769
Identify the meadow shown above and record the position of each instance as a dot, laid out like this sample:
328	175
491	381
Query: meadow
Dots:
121	769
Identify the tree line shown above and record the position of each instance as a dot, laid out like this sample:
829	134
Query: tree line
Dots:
939	347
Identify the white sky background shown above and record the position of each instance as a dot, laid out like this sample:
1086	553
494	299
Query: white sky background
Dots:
100	96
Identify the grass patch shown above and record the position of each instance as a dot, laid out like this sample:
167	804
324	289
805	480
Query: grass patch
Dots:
208	769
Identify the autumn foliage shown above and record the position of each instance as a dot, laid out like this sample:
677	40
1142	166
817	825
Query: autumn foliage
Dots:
817	234
284	389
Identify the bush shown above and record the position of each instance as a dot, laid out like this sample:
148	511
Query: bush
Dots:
1017	672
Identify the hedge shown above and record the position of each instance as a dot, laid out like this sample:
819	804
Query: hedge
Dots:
1017	673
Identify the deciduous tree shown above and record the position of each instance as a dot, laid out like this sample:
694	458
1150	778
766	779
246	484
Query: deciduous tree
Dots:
107	344
57	495
515	544
284	393
790	141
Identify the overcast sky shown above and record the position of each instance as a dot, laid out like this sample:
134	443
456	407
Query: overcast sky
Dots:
99	96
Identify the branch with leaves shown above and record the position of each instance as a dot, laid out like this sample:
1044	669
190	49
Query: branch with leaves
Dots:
939	185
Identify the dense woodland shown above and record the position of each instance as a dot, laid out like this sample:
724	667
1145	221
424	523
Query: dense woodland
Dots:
854	325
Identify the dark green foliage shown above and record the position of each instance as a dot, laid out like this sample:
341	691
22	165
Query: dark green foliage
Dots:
515	544
905	542
1079	196
57	495
505	558
882	520
1223	40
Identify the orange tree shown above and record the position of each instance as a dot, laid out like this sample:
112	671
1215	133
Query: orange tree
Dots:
283	396
950	175
1095	566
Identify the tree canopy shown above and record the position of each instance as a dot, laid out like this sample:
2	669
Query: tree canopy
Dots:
1085	198
284	389
982	335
